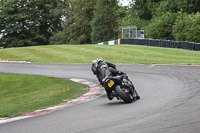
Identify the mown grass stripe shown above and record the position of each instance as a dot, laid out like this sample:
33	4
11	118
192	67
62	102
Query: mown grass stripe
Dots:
129	54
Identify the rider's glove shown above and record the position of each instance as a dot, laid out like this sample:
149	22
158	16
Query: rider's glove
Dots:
121	73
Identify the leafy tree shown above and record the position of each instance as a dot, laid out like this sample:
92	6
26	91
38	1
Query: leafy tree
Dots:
162	15
76	28
144	8
179	29
197	5
29	22
104	21
187	27
14	25
184	6
47	17
147	9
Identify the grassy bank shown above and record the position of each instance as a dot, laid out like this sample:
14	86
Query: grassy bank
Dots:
132	54
25	93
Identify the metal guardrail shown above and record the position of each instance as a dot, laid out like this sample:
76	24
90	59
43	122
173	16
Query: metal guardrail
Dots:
162	43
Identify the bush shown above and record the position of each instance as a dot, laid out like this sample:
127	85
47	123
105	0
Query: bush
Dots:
179	28
187	27
161	27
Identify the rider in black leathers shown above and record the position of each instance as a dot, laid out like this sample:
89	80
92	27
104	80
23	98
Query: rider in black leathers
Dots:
102	69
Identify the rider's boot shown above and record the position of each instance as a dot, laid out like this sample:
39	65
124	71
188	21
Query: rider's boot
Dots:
110	96
137	96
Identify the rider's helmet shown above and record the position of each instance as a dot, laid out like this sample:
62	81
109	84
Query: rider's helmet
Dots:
95	65
99	60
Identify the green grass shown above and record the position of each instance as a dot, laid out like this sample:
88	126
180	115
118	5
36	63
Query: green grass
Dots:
25	93
131	54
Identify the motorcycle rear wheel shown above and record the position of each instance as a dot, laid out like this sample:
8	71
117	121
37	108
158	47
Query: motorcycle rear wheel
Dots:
125	96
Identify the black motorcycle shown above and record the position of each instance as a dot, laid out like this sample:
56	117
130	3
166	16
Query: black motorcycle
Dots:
121	87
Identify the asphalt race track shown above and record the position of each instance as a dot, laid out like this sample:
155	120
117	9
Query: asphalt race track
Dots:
170	102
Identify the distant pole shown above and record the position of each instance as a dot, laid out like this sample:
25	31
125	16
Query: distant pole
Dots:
122	33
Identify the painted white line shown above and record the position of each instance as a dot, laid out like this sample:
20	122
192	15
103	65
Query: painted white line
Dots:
153	65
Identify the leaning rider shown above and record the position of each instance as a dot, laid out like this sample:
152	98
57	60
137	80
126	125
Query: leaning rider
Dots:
102	69
99	66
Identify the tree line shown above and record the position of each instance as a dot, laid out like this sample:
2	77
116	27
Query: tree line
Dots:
42	22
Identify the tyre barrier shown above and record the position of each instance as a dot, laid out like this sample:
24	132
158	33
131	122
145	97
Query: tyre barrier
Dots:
162	43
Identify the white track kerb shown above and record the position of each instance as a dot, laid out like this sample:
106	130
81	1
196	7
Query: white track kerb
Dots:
15	61
94	92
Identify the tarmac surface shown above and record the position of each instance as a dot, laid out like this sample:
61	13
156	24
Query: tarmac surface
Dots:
170	102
